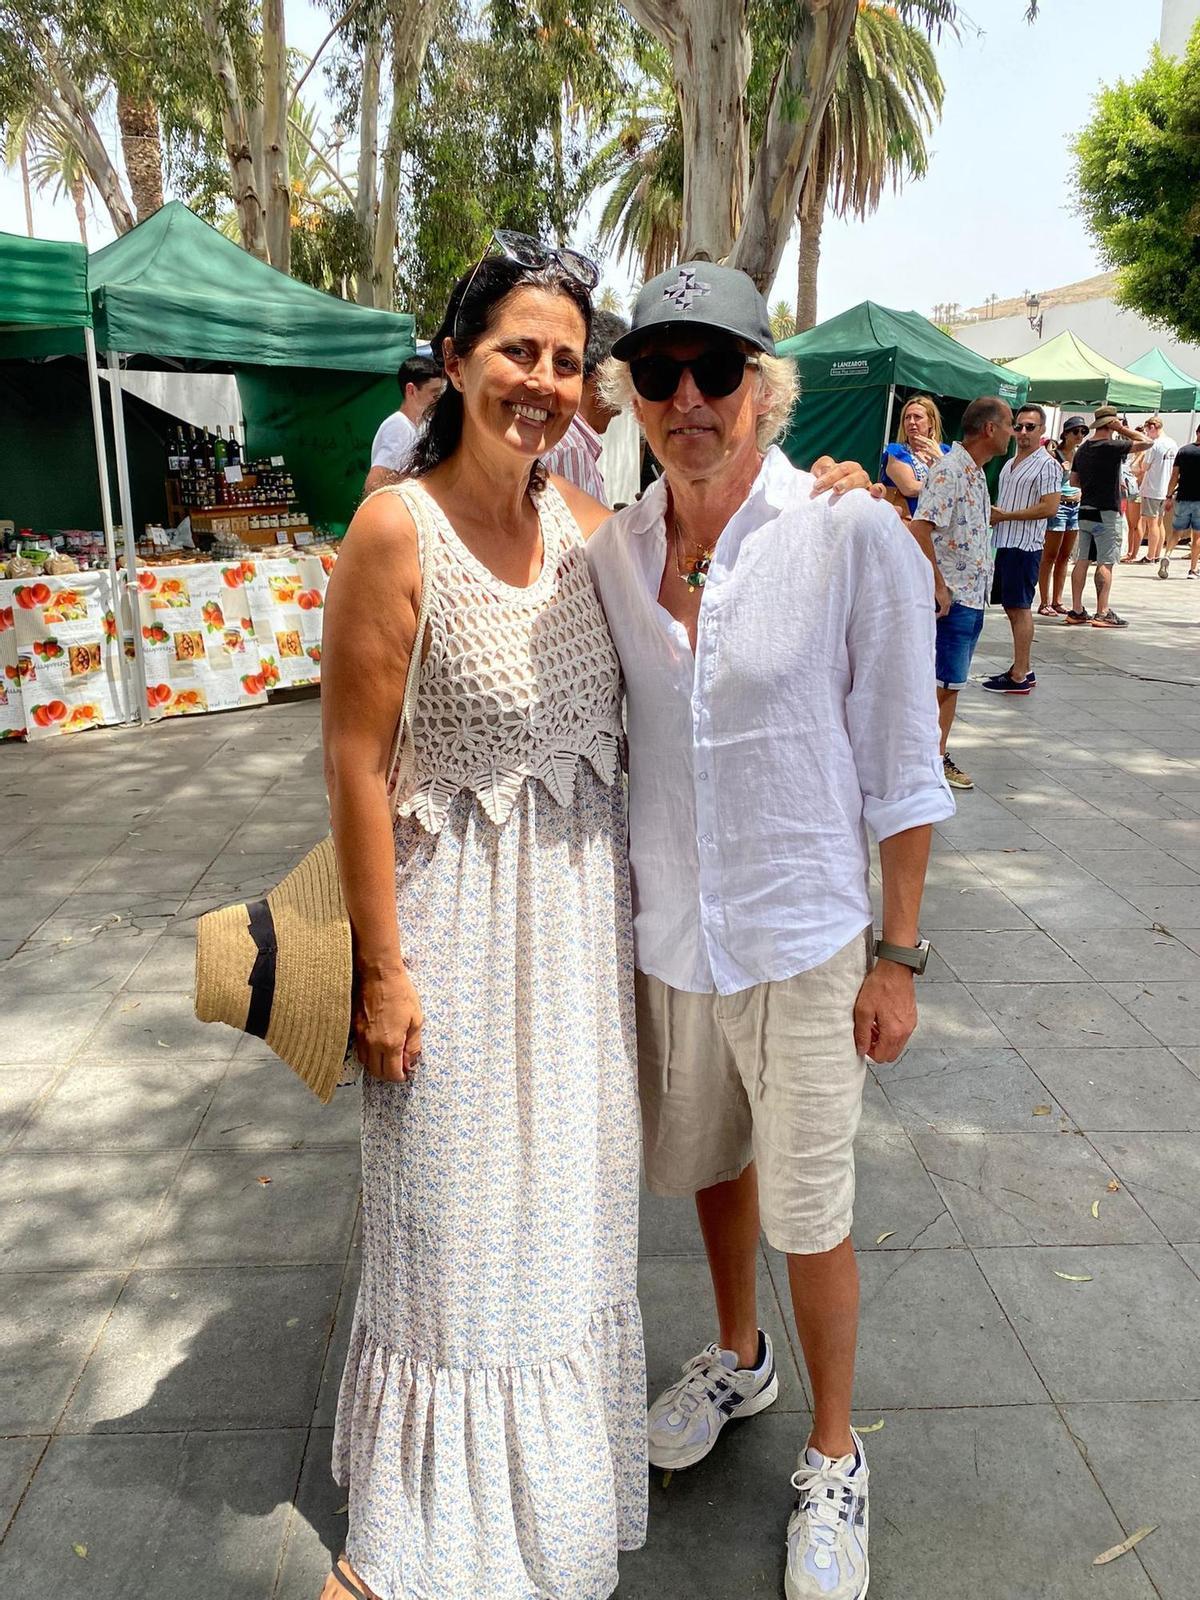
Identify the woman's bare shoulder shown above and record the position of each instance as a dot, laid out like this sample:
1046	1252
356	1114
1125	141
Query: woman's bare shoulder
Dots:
381	535
588	512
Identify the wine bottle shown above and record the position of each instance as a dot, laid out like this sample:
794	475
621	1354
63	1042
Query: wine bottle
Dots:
218	449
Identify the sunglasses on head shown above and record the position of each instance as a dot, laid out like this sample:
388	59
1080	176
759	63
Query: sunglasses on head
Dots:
534	254
715	373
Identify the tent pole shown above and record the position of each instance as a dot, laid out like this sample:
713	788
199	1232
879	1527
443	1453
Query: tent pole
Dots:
106	517
131	583
887	426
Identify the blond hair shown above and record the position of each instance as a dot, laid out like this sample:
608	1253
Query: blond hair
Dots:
932	414
778	380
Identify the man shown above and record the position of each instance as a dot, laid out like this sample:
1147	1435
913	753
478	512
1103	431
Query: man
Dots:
953	527
1096	472
1030	493
576	456
1160	458
421	383
1183	496
775	649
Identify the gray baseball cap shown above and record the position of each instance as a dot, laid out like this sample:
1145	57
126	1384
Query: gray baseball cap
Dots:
699	294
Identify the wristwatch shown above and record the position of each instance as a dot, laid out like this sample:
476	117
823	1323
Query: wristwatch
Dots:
905	955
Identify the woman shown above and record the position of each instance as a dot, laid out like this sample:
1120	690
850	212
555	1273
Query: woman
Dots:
1063	528
905	465
491	1422
1133	469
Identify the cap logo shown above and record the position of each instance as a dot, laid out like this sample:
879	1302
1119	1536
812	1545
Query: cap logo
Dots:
686	289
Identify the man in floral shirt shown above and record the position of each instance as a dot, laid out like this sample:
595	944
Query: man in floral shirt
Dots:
952	524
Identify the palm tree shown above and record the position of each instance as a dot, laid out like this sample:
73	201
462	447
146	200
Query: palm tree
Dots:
15	153
54	159
643	215
783	321
888	97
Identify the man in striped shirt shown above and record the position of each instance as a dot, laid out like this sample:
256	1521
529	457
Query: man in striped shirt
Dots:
576	456
1030	485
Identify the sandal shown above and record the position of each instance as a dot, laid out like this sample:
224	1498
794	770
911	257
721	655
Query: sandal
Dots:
1059	611
348	1583
1046	611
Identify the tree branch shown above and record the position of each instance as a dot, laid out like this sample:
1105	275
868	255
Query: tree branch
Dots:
316	55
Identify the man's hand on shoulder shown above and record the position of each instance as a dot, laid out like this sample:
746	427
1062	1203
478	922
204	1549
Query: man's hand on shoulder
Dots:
837	477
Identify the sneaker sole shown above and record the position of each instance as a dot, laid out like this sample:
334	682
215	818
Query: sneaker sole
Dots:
793	1593
990	690
956	785
759	1402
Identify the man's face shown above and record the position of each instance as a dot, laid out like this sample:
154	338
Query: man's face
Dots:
999	434
1027	425
1152	430
698	436
426	395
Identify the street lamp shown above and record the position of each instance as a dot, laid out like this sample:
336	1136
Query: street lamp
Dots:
1033	310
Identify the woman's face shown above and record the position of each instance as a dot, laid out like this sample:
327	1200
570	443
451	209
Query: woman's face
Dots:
916	423
522	382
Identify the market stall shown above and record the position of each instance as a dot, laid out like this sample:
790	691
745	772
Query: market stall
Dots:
1180	392
857	369
1069	374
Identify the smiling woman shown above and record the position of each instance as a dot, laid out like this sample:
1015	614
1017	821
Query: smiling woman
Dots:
487	885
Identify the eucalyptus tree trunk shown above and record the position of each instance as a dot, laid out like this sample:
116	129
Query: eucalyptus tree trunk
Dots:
709	45
278	191
79	195
65	103
366	197
802	92
244	187
141	146
412	26
26	191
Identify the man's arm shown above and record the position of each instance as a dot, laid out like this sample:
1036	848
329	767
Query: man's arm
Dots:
922	532
885	1012
1046	507
1139	441
1174	483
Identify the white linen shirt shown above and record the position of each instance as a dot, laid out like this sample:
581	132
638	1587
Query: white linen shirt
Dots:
808	710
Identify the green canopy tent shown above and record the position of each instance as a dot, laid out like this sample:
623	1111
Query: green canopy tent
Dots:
1179	392
1067	373
316	374
856	366
46	311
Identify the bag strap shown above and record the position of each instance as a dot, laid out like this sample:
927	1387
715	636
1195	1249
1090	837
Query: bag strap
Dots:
403	754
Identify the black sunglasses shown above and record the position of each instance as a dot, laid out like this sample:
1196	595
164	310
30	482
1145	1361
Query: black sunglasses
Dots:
716	373
1026	427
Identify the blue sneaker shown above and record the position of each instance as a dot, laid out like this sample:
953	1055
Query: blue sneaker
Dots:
1005	683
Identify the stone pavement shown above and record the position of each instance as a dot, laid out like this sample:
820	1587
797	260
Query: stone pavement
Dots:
173	1325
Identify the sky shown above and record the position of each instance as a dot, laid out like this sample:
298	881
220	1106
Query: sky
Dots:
992	216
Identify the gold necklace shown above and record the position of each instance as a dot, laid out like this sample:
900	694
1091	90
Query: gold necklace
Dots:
697	575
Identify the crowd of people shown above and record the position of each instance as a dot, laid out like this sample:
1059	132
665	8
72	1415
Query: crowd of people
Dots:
601	784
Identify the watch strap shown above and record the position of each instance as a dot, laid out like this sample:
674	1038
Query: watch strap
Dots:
905	955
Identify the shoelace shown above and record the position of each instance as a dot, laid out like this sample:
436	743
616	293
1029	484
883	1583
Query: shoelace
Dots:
828	1494
705	1377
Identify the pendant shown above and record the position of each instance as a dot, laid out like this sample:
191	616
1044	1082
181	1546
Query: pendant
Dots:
698	576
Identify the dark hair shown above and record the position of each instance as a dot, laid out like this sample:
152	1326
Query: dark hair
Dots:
1031	407
607	328
988	408
470	312
418	370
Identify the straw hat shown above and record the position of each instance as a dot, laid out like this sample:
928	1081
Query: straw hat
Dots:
282	969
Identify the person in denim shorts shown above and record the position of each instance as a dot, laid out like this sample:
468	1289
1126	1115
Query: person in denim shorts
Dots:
1096	471
1183	495
1063	529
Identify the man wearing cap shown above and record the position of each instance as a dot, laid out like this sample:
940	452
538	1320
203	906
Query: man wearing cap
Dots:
1096	472
776	651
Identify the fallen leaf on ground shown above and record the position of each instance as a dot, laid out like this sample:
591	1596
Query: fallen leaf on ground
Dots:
264	1181
1074	1277
1125	1545
1096	1208
132	1006
81	1550
890	1234
293	1322
1157	927
1113	1186
873	1427
1042	1111
163	1045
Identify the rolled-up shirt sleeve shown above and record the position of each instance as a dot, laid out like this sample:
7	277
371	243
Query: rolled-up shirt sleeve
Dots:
891	710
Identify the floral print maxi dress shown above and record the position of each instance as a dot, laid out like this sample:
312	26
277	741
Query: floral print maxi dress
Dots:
491	1419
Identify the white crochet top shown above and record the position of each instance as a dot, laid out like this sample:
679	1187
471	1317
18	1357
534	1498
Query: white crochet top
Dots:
518	683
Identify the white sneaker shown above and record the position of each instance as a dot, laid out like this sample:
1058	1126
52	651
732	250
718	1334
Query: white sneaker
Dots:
1164	568
827	1534
683	1423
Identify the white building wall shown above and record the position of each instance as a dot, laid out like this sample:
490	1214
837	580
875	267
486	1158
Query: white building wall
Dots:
1179	17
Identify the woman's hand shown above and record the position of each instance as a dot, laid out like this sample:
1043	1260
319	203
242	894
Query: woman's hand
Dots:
926	449
387	1024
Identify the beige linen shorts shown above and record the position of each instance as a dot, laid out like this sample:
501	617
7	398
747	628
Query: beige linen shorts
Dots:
769	1075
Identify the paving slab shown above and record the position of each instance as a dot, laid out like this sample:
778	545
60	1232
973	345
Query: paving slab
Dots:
145	1507
1116	956
1136	1090
1162	1172
18	1458
1025	955
20	1090
933	1335
263	1105
894	1197
969	1091
1168	1008
148	1025
144	1105
73	968
209	1348
51	1321
78	1209
257	1206
1085	905
1058	1014
48	1029
1128	1333
1026	1188
317	1533
949	1015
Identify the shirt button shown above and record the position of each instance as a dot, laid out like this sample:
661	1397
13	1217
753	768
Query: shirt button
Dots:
706	838
702	776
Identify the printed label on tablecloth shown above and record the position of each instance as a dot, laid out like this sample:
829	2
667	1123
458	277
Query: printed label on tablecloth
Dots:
287	601
68	653
12	704
198	639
